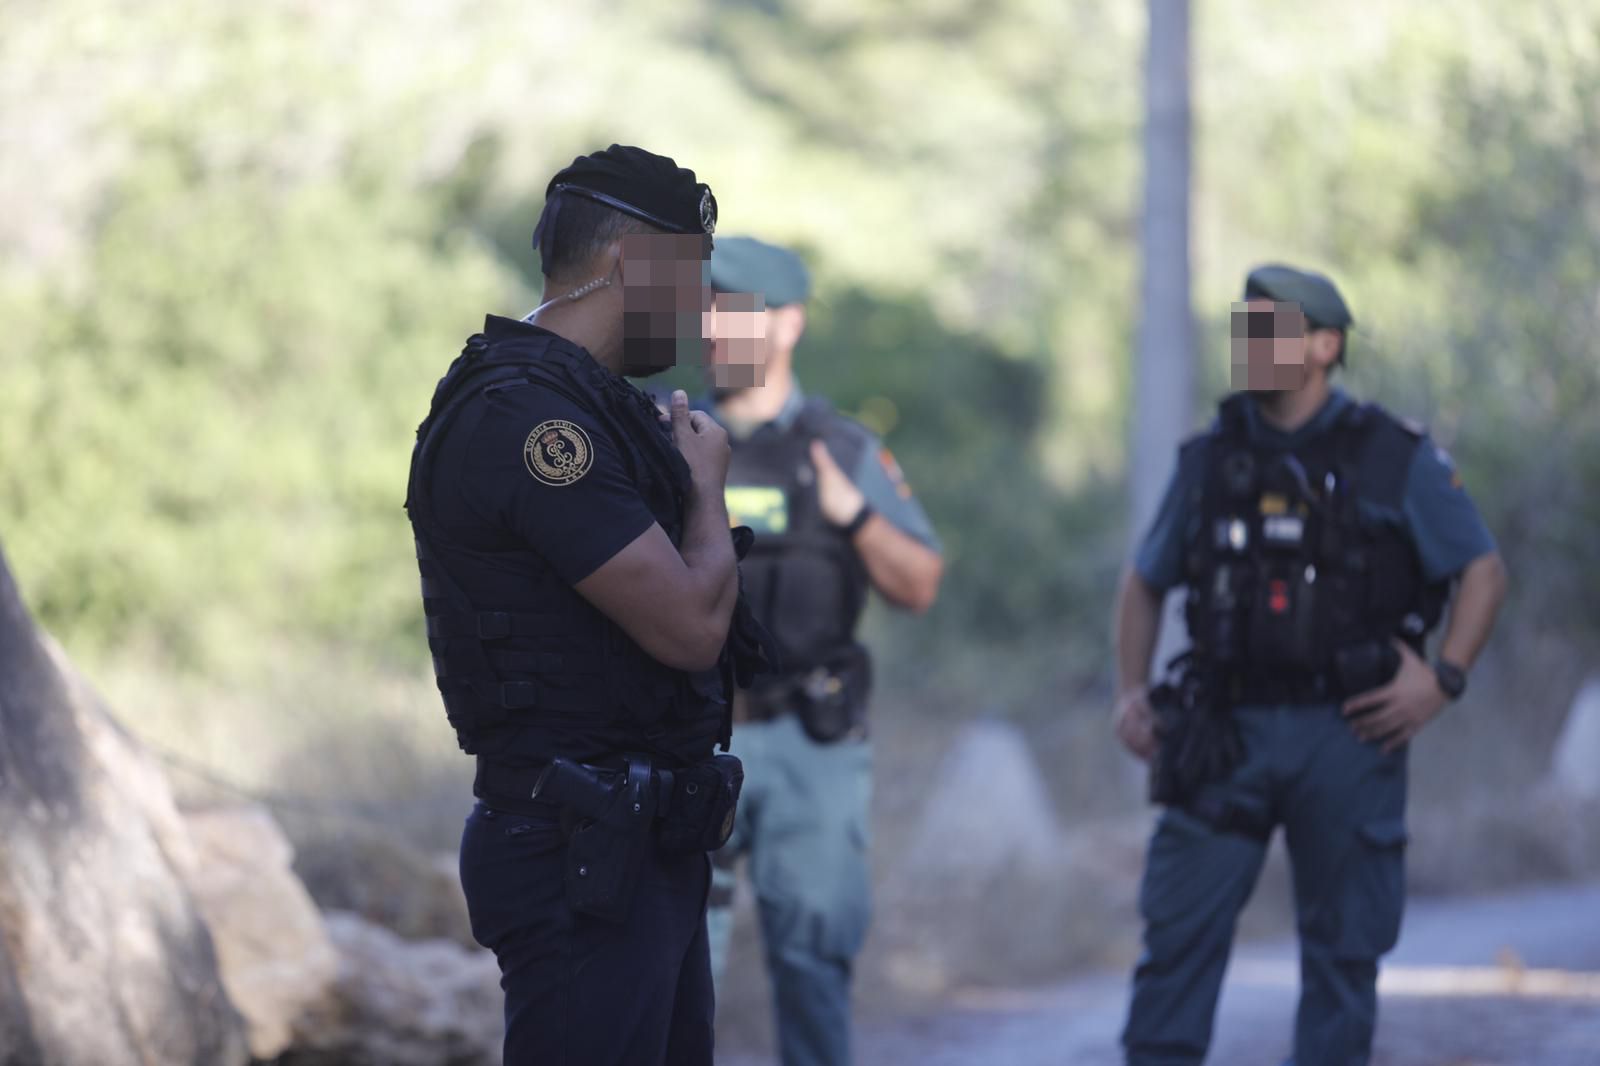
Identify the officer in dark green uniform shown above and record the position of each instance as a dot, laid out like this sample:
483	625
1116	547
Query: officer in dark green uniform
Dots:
583	612
834	518
1318	538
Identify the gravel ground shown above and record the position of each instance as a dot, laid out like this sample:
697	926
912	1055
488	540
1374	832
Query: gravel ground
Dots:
1504	981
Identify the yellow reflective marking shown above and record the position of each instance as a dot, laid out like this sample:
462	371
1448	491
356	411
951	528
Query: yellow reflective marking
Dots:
764	508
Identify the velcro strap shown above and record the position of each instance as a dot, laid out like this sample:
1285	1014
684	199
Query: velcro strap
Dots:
497	625
547	662
521	695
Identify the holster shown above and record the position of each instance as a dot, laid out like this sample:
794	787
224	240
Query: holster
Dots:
1198	741
830	699
610	817
705	800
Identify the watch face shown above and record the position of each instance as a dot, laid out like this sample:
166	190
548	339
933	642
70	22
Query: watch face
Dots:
1452	680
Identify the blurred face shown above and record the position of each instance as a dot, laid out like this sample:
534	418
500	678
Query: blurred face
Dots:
666	297
1268	346
740	323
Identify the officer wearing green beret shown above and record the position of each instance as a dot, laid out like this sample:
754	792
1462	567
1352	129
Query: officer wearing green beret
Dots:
1319	540
834	517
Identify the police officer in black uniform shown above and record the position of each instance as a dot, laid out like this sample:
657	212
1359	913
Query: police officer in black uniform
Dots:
583	612
1318	538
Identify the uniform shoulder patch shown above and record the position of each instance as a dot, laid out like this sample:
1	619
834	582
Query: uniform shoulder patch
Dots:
891	466
558	452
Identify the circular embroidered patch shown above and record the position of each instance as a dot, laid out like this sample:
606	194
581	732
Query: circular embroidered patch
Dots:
558	452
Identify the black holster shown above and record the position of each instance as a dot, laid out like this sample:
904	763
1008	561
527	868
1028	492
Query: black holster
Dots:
610	815
1198	740
830	699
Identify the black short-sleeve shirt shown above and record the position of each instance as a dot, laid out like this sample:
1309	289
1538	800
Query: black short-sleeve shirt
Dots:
531	493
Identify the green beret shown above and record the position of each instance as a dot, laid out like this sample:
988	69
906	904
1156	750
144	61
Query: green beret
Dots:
1315	294
744	264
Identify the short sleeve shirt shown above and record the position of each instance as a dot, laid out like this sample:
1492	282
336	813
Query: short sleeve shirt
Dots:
1436	512
525	467
876	472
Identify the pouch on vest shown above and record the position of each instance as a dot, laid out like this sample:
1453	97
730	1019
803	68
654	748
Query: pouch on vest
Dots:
705	800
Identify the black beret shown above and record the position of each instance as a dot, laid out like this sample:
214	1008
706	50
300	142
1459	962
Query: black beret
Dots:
1315	294
744	264
647	186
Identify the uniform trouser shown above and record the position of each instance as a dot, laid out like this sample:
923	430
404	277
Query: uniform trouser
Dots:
1342	806
579	991
803	823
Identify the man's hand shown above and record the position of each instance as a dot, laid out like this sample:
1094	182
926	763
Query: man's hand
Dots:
1135	723
1396	712
704	445
838	496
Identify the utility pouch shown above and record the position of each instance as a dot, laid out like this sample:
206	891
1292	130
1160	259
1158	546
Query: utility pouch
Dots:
831	699
1171	723
611	815
1198	740
705	799
1363	667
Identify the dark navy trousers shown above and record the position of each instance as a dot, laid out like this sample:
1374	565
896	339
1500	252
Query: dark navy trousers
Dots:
583	992
1341	804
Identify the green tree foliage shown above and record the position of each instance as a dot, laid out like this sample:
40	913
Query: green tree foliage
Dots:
238	244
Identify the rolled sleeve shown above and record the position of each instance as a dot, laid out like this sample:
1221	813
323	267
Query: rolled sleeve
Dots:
884	485
541	467
1159	560
1444	524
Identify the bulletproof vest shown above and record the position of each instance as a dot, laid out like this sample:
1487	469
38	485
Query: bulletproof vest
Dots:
1282	570
804	579
544	656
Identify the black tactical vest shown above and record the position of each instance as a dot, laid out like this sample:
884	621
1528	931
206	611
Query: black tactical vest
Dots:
541	655
804	579
1282	568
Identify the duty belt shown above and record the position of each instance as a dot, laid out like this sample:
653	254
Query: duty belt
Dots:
1320	687
510	788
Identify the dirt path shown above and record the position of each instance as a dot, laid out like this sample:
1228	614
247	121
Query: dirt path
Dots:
1504	981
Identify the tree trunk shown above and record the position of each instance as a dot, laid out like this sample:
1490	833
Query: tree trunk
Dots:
1163	383
1164	374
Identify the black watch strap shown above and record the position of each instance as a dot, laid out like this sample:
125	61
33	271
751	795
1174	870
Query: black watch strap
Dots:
1452	679
854	525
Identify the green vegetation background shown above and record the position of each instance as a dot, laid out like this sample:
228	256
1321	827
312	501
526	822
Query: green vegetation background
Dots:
239	243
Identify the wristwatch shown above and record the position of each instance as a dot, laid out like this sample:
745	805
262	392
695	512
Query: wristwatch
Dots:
852	527
1452	679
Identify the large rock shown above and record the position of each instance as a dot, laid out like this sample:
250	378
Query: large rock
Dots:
277	960
104	957
987	850
1575	769
376	873
402	1002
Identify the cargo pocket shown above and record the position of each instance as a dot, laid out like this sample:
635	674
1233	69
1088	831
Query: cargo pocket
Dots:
1374	899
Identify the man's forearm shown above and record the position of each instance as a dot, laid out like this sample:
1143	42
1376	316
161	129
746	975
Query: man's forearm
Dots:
707	551
1138	624
1477	602
905	571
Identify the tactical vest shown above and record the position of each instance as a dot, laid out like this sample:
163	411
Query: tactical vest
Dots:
544	656
1282	568
803	577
